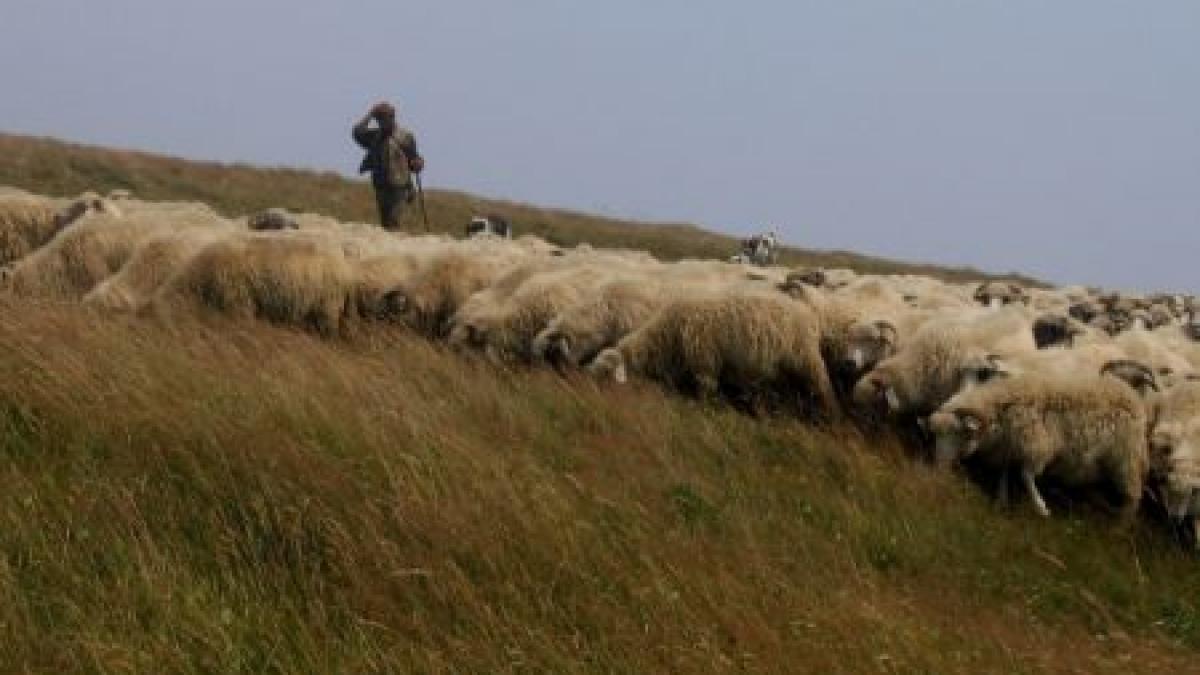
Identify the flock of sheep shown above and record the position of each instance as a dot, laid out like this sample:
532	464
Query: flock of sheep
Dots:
1094	393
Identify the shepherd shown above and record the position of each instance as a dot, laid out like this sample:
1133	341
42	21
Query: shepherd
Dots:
392	159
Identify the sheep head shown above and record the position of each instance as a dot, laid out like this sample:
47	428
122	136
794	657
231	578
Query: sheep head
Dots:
809	277
868	343
552	346
876	393
1172	467
1083	311
393	304
609	364
958	433
1052	330
466	334
996	294
1135	374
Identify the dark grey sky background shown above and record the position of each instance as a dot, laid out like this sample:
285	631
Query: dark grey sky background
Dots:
1056	138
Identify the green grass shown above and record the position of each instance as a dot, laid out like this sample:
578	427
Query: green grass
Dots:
240	498
54	167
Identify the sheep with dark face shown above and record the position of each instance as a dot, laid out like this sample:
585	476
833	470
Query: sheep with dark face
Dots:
1085	430
756	348
1000	293
1053	330
273	219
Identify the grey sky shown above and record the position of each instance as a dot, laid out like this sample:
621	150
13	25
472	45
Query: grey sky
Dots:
1056	138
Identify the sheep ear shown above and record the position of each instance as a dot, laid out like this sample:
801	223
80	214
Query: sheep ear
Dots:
887	331
620	375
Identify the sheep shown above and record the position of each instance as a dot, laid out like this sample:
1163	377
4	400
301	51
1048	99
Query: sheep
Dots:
426	297
1175	455
935	362
81	256
1106	359
1052	330
150	265
751	345
1151	349
28	222
1000	293
1082	429
294	280
581	331
861	324
273	219
504	325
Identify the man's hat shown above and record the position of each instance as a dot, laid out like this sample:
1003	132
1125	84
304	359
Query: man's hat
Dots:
385	111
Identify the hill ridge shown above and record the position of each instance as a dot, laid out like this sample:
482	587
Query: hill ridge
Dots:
58	167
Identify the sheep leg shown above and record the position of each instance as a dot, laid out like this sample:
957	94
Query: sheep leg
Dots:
1002	488
1028	475
708	388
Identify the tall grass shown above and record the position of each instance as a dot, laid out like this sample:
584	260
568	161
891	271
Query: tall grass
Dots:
53	167
213	497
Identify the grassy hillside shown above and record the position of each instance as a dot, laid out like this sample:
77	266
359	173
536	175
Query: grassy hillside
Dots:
238	498
57	168
217	497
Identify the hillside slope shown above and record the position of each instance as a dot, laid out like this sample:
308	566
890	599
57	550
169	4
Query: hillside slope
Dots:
52	167
238	498
206	495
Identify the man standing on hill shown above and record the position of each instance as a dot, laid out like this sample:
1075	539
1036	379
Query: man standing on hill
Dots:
391	158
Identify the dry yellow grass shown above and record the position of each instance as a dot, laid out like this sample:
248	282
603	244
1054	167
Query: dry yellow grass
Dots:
222	497
235	497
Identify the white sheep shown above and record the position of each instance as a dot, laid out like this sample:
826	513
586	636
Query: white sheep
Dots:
1084	430
295	280
82	255
615	309
936	362
439	283
755	346
1175	454
504	319
151	264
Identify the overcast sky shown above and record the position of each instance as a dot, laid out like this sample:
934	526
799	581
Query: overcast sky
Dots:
1061	138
